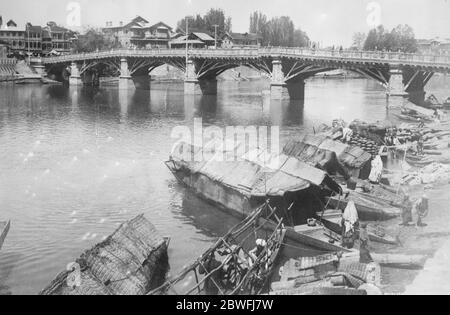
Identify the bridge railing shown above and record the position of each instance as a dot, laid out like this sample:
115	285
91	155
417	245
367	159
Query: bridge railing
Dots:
376	56
361	55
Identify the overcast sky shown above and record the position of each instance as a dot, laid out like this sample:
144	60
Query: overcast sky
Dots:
331	22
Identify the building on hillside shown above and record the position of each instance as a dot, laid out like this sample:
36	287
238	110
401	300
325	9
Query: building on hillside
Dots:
194	40
230	40
434	46
139	33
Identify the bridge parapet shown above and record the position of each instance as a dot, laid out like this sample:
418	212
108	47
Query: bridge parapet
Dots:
268	52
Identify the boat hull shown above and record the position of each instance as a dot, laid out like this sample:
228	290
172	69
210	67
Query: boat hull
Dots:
240	205
365	212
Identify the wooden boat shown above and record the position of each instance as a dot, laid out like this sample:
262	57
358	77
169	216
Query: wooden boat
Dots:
433	103
132	261
410	118
4	229
230	267
331	219
329	274
369	208
240	187
397	261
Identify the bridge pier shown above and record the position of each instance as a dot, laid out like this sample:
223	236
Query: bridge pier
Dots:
125	79
195	86
396	86
281	89
200	87
75	77
139	80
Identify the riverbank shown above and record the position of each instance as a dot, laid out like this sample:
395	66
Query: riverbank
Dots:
435	278
415	240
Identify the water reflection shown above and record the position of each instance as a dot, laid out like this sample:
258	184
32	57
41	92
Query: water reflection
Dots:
82	160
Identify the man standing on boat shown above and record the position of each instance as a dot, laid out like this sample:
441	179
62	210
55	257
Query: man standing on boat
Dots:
349	225
422	210
407	211
420	146
377	170
364	253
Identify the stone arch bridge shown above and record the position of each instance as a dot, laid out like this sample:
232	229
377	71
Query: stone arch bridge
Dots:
287	68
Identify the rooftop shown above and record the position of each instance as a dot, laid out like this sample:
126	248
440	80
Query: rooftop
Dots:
244	36
203	36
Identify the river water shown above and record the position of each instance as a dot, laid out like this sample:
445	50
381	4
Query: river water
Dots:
77	162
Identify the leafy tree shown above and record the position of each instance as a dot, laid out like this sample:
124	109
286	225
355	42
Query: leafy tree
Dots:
258	21
401	38
301	39
206	23
281	31
404	38
359	40
278	31
94	39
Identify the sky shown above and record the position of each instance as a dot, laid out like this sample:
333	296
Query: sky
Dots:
329	22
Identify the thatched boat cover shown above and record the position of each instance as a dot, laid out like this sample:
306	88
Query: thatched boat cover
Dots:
319	149
257	174
132	261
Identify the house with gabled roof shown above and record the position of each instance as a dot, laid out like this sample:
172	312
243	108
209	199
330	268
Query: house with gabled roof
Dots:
139	33
230	40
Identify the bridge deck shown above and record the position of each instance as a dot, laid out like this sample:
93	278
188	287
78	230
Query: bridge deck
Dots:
351	57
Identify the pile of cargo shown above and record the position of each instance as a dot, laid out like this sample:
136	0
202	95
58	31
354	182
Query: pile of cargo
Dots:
366	144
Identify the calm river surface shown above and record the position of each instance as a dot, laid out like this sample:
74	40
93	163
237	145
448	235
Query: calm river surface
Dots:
76	163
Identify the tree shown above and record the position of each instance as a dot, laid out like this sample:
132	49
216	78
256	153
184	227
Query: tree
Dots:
217	17
278	31
405	39
301	39
206	23
195	24
358	40
281	31
92	40
401	38
258	21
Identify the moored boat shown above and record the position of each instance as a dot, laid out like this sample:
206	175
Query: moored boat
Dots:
132	261
329	274
293	187
4	229
333	219
369	208
233	265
